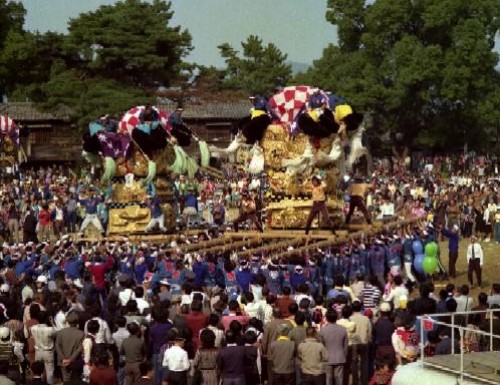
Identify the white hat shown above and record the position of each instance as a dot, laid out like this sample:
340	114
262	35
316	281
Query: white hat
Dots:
4	332
4	288
164	282
385	307
78	283
42	279
456	228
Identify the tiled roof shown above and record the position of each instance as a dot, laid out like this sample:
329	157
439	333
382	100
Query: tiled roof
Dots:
27	112
212	110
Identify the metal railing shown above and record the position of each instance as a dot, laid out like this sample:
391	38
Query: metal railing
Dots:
488	338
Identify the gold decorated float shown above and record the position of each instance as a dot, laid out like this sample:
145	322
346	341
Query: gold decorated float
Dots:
126	214
8	152
289	200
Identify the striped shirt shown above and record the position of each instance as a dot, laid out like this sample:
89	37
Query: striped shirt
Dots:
370	296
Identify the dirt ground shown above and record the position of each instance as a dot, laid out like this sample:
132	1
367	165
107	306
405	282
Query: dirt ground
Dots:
491	267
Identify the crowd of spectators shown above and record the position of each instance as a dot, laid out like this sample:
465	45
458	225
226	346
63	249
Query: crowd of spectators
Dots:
124	312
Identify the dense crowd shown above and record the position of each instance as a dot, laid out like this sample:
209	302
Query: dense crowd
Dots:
171	313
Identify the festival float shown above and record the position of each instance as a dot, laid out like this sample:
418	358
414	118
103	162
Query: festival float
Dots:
9	144
137	156
290	137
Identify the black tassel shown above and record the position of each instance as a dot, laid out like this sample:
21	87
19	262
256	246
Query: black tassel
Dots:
182	133
254	130
91	143
353	121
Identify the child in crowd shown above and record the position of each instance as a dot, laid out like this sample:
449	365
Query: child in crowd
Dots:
384	371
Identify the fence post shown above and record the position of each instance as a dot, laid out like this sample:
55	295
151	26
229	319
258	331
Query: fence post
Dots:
452	333
422	355
490	312
461	332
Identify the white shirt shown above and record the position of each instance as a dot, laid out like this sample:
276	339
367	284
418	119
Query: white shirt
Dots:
44	337
464	303
186	299
60	321
26	293
119	336
103	336
142	304
59	214
176	359
387	209
395	295
478	253
252	309
126	295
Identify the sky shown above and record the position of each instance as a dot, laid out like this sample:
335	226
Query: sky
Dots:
297	27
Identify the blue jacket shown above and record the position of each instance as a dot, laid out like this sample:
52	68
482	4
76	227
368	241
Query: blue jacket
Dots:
377	260
244	277
90	205
297	279
453	239
52	271
127	270
393	257
155	208
200	271
23	266
357	266
72	267
274	279
140	270
190	200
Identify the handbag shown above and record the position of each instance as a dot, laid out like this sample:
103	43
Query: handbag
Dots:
197	377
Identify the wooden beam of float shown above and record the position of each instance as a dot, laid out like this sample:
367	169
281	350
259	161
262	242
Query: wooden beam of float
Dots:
349	237
279	234
271	247
140	237
235	245
184	247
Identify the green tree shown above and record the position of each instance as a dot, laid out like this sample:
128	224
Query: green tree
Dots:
89	98
26	61
260	69
130	41
111	59
11	18
11	22
425	68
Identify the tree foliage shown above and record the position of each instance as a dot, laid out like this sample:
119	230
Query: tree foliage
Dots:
130	41
425	68
258	70
110	59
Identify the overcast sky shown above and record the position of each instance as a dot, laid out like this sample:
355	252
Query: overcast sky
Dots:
297	27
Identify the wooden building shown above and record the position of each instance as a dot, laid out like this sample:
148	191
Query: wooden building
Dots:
52	137
212	121
45	137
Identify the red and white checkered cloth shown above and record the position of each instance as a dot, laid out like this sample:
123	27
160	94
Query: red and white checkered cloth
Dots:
288	102
7	125
131	120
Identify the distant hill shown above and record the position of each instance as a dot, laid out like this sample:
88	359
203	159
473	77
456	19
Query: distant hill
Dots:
298	67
